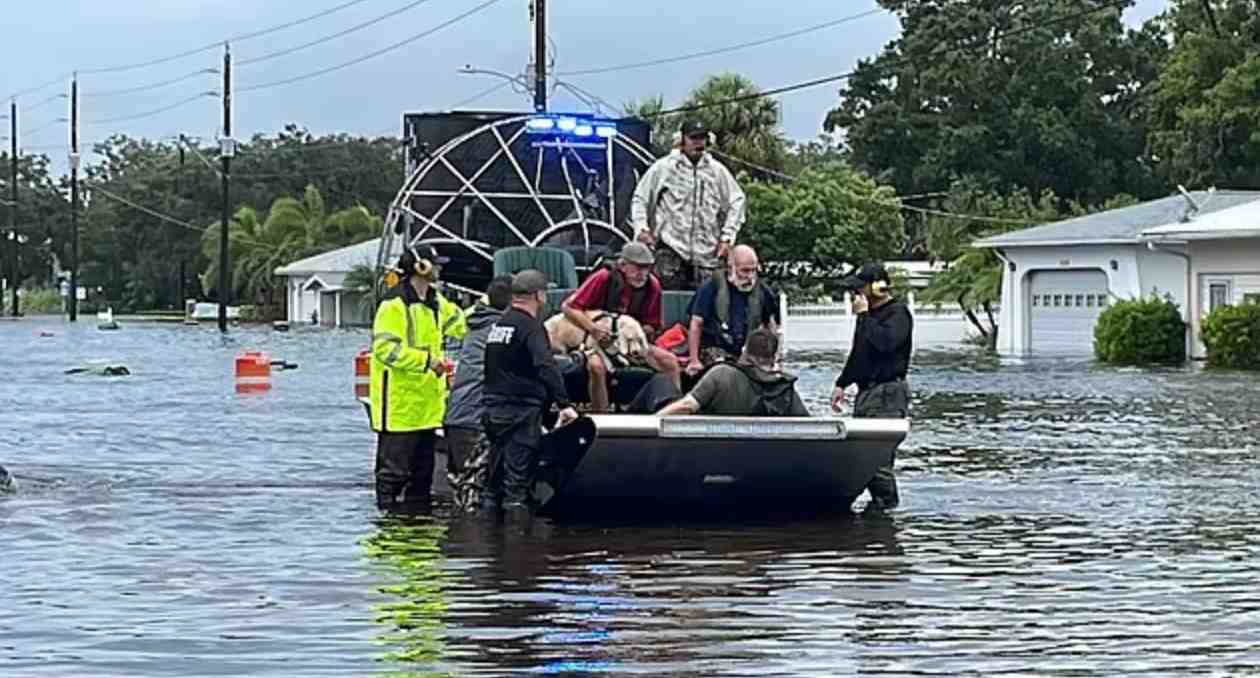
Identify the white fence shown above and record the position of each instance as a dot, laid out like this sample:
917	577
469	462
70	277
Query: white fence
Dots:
830	326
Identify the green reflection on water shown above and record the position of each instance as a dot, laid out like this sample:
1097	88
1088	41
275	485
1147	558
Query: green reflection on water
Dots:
413	617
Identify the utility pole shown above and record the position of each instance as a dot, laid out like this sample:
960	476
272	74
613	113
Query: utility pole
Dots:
540	55
73	301
227	149
179	192
13	187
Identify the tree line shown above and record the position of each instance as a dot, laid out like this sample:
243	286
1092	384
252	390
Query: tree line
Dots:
1023	113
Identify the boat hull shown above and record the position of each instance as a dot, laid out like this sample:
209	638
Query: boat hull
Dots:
752	463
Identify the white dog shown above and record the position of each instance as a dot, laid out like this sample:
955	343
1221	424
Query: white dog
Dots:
629	339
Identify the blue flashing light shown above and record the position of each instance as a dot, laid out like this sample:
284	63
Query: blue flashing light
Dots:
606	131
566	124
571	125
540	124
583	130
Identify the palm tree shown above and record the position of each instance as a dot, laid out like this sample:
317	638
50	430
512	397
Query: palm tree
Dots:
748	127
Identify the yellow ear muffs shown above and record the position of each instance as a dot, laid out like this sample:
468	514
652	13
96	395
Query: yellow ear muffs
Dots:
879	287
424	267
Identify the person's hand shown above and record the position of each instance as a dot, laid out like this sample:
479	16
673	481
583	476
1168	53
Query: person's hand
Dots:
646	238
837	399
601	335
694	367
724	249
442	368
860	305
567	416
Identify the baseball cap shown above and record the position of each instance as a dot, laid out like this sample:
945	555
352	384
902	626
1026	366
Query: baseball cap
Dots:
529	281
693	128
411	255
637	253
869	273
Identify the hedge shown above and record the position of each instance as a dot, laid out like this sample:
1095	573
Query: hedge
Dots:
1141	332
1232	337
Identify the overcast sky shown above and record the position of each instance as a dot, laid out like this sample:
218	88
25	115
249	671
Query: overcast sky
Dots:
44	39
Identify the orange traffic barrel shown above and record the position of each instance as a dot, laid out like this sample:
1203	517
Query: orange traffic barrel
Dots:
253	372
362	373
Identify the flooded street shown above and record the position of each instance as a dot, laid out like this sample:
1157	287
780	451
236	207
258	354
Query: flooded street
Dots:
1059	518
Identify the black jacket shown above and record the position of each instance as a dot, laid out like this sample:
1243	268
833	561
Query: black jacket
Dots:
881	347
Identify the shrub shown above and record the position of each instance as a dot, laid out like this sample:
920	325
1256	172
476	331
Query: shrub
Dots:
38	301
1232	337
1141	332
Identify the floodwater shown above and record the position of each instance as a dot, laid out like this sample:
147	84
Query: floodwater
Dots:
1059	519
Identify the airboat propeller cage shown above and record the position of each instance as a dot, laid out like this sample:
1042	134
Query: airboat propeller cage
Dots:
482	181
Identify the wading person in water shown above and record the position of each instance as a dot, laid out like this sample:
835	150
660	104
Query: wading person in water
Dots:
408	390
521	382
878	362
690	208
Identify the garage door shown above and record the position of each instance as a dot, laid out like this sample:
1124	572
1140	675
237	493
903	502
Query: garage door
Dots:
1064	307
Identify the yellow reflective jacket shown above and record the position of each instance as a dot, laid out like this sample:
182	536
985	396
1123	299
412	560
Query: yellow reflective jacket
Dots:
407	341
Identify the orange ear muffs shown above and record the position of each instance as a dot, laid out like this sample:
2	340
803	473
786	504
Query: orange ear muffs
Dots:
392	279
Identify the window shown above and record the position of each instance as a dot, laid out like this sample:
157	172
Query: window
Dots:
1089	301
1103	301
1058	300
1036	300
1218	295
1080	300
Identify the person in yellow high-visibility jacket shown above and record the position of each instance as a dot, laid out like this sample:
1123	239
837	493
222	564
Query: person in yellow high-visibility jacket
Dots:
408	390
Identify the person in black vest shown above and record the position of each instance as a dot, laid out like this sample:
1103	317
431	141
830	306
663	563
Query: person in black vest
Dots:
628	288
726	309
878	362
521	382
749	387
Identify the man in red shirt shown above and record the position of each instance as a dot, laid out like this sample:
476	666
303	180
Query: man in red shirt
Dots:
629	288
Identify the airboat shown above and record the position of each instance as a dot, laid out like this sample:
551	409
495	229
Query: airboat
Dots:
500	192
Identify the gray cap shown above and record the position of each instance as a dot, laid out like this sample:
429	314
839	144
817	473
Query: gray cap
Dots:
637	253
529	281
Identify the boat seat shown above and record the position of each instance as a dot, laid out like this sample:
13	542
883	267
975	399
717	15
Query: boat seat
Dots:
557	264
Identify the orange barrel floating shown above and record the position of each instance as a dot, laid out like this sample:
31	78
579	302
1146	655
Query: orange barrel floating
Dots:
253	372
362	373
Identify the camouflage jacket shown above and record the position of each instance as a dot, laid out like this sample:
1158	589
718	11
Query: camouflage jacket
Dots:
691	208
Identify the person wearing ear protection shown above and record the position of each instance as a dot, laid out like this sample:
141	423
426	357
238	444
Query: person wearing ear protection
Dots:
689	207
878	362
409	370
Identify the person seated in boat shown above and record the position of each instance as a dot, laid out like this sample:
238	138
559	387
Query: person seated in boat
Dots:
726	309
626	288
750	386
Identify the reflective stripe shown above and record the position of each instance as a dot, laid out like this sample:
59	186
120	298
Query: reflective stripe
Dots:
450	322
393	355
411	326
386	336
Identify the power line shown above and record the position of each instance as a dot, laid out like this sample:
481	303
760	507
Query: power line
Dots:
172	220
899	204
727	49
150	86
334	36
390	48
39	88
845	76
219	43
148	114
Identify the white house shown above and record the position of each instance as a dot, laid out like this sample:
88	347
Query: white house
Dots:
314	288
1059	277
1223	253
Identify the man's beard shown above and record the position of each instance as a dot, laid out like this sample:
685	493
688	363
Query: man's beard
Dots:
745	286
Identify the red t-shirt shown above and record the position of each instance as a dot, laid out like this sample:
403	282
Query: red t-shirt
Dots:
590	297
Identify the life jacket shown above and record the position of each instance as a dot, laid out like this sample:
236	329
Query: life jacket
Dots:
723	303
774	396
617	285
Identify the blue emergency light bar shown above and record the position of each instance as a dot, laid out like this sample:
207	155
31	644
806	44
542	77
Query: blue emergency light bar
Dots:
572	126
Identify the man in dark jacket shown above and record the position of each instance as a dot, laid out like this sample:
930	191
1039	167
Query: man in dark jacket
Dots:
726	309
468	449
749	387
521	382
878	362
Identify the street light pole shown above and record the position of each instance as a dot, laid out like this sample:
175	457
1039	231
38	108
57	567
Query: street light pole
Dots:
540	55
